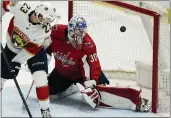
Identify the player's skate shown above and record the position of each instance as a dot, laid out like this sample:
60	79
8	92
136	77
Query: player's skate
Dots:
144	106
46	113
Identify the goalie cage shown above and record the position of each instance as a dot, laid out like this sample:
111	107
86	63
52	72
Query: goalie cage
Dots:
129	36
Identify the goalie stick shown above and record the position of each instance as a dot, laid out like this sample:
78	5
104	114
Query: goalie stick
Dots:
16	83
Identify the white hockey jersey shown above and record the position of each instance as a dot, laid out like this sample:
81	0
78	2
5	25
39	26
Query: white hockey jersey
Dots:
23	37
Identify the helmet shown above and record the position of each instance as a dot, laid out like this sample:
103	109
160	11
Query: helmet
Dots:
45	10
77	28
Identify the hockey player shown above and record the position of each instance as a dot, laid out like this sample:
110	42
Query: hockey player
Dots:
27	31
73	51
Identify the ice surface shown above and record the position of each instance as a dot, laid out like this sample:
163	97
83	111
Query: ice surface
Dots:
71	106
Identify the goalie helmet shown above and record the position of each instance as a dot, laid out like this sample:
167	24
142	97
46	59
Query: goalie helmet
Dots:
77	28
45	10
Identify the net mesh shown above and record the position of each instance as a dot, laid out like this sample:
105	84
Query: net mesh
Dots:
163	52
123	37
115	50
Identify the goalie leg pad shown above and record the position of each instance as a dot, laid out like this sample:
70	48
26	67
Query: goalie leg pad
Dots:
121	98
71	90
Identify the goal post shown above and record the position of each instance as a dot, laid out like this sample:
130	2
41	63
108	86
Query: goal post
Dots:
119	50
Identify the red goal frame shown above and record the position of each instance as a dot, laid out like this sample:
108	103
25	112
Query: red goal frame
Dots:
156	17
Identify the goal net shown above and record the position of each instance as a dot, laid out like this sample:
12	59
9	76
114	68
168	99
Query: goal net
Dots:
132	43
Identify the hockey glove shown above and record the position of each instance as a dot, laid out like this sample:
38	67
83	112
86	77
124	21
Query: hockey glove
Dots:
14	69
90	83
90	95
103	79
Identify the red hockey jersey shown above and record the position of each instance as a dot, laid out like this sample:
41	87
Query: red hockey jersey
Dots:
71	63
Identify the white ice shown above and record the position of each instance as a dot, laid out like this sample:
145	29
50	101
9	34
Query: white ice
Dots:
71	106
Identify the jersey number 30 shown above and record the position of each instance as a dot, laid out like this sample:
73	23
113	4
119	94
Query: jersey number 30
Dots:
93	57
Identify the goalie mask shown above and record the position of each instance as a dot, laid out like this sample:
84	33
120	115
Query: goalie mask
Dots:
77	28
45	13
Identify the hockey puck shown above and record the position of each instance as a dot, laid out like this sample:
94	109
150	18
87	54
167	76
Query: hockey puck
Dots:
122	28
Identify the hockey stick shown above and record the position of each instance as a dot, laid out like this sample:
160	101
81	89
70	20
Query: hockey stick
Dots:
29	90
28	93
16	83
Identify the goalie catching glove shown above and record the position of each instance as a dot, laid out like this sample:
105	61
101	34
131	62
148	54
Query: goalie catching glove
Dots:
90	94
90	84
